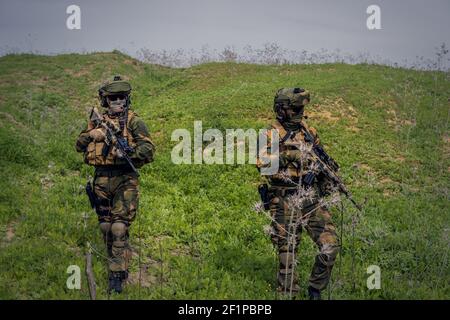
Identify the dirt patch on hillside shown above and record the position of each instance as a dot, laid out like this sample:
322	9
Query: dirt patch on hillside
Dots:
333	110
446	141
81	73
147	276
156	134
323	115
181	250
266	118
396	121
135	64
9	235
353	129
47	182
10	232
364	167
10	118
386	180
389	193
38	82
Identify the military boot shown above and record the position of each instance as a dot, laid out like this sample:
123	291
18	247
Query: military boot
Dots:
287	282
116	279
287	279
314	294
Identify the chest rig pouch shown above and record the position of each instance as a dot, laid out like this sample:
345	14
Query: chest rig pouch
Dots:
105	153
293	141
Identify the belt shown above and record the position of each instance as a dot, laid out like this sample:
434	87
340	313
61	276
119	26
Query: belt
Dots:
279	183
113	171
282	191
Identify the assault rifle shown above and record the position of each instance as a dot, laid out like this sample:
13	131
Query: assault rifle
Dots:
327	166
113	138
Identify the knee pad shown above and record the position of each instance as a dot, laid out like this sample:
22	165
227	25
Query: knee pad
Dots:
119	231
105	227
287	259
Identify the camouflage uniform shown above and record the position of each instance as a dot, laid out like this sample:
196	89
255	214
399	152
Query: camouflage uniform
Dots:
292	212
116	186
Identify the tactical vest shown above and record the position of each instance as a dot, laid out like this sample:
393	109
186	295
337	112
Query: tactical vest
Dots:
292	143
93	155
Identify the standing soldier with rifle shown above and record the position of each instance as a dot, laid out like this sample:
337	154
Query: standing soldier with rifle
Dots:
115	143
294	195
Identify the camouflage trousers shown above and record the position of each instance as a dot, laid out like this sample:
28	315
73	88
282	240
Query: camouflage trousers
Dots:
118	197
289	219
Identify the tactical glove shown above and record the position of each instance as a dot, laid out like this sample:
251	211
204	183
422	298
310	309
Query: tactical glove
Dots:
97	135
326	186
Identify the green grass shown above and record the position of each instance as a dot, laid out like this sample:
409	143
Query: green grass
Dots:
197	233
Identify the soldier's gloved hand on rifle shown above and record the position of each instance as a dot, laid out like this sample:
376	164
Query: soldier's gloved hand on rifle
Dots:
326	186
289	156
97	135
116	153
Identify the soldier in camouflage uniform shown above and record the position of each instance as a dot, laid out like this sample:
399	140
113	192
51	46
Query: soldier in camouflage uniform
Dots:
115	183
292	205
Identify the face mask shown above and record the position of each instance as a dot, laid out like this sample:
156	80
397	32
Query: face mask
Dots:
294	115
116	104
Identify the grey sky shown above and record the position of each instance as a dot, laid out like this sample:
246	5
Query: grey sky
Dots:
410	28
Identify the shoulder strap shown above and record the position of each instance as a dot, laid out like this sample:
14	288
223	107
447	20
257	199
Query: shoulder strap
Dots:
284	135
310	137
131	115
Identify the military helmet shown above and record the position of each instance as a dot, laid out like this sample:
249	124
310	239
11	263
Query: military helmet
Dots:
117	86
295	97
290	98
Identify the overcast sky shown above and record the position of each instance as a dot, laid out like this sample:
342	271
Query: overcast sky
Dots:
410	28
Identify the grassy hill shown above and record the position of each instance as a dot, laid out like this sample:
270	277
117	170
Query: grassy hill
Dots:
197	234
